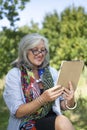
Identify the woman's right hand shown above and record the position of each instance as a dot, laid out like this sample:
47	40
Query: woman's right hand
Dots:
48	95
51	94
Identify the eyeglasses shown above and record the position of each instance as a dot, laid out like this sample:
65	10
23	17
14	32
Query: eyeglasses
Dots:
37	52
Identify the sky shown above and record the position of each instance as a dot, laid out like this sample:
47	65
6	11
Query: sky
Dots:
37	9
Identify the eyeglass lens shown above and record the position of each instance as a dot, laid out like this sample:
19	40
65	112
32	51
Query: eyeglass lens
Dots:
36	52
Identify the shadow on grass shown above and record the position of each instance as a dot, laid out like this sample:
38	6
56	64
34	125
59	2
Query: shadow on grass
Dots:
77	116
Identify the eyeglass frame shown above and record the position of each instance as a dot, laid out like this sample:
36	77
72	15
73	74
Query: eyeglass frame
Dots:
43	52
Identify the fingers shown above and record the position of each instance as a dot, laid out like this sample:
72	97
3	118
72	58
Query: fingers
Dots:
70	86
52	93
55	88
68	92
56	91
69	89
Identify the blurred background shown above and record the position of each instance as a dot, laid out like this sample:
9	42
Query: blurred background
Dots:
64	23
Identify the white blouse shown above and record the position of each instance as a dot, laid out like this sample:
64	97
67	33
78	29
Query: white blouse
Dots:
13	96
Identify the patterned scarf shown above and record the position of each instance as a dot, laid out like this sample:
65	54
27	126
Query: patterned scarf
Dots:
31	91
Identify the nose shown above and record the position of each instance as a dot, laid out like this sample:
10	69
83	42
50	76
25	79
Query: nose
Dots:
40	53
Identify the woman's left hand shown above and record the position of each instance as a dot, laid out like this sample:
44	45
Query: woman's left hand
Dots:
68	93
69	100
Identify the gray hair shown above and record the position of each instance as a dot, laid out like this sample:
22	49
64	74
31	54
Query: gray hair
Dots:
28	42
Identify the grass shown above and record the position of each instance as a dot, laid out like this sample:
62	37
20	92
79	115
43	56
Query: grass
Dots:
4	114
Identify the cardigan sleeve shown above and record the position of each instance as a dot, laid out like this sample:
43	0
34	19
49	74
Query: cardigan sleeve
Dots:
13	94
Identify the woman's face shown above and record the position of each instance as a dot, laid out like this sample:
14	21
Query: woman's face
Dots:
37	54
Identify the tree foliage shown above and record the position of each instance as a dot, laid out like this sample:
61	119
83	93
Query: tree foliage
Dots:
9	9
67	35
9	45
51	29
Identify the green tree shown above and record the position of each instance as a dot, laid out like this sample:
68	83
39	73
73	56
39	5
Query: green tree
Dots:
51	29
73	22
9	45
9	9
67	35
8	49
73	28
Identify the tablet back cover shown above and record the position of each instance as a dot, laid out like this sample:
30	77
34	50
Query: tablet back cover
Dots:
70	71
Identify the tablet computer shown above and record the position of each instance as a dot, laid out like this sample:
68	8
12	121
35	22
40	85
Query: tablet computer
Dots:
70	71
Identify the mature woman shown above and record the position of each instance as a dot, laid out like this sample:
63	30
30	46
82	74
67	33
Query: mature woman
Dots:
31	94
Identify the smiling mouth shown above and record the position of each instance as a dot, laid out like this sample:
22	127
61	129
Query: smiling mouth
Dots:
39	59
